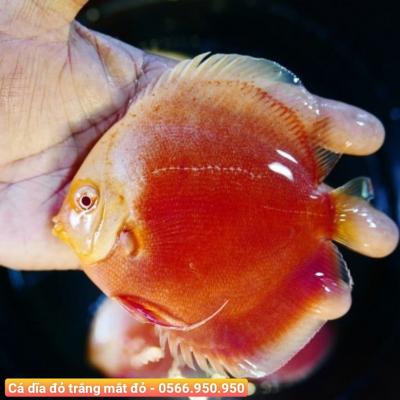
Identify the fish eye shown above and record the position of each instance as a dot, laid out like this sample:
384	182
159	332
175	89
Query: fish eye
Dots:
86	198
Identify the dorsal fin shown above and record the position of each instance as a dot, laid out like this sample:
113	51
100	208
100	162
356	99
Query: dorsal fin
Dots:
325	160
259	71
265	75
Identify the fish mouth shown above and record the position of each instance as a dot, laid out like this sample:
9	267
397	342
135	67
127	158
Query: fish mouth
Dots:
149	312
59	232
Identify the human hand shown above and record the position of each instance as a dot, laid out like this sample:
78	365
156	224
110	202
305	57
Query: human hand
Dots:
61	87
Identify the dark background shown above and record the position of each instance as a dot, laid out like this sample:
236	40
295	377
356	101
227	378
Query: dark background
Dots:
346	50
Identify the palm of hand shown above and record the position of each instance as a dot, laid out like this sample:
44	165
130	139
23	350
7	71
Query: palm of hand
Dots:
59	92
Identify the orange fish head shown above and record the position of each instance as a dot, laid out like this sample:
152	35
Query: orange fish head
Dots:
92	213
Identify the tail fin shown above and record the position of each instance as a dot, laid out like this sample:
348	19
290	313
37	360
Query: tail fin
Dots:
358	225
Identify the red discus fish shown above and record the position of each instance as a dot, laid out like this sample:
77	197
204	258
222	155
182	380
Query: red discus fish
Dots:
202	212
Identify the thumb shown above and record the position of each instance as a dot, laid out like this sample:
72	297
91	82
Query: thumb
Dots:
27	18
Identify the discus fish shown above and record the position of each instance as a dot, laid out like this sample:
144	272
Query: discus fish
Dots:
202	211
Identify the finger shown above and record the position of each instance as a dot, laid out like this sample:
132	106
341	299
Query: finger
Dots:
365	229
25	18
349	130
67	8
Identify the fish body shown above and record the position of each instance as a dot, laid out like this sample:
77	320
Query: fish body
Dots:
202	212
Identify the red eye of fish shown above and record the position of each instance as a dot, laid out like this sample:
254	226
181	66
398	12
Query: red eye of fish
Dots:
86	198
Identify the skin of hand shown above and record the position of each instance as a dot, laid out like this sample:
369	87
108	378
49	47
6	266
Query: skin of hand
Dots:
61	87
